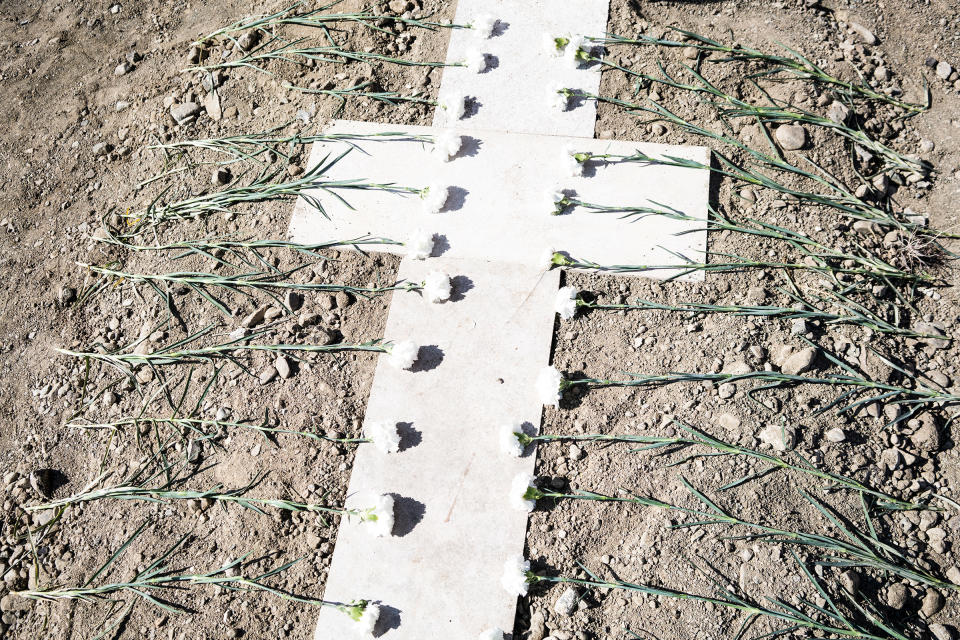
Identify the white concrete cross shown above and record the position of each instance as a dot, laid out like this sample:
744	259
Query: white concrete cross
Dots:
438	576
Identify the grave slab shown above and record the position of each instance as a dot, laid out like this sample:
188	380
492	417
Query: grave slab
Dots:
439	576
498	209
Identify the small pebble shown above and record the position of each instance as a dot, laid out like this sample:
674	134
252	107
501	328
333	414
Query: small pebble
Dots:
791	136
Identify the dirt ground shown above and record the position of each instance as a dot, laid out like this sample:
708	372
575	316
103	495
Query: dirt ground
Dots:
88	86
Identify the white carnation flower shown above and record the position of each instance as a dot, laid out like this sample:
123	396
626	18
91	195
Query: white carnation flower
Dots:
556	200
379	518
435	197
518	492
546	258
509	442
368	619
476	61
447	145
574	160
549	383
491	634
403	354
566	302
551	46
436	286
485	25
574	51
420	246
456	105
514	578
558	99
384	436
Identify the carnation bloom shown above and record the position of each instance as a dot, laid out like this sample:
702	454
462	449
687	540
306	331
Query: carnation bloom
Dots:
384	436
485	25
557	201
514	578
403	354
456	105
436	286
520	496
509	439
435	197
447	145
476	61
379	518
553	45
566	302
574	52
368	619
420	246
549	386
574	160
365	614
558	98
546	258
491	634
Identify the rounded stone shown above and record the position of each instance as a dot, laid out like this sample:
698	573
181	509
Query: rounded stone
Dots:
791	136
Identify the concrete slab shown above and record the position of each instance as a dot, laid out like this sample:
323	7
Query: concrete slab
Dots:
439	576
512	94
499	210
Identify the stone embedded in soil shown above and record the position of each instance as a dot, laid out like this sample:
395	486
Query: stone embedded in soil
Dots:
866	36
927	437
727	390
881	184
185	112
932	603
953	574
891	459
838	112
800	361
268	374
791	136
850	581
11	602
327	302
255	318
944	70
867	228
897	596
941	632
566	604
729	421
737	367
780	438
538	627
283	367
836	435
